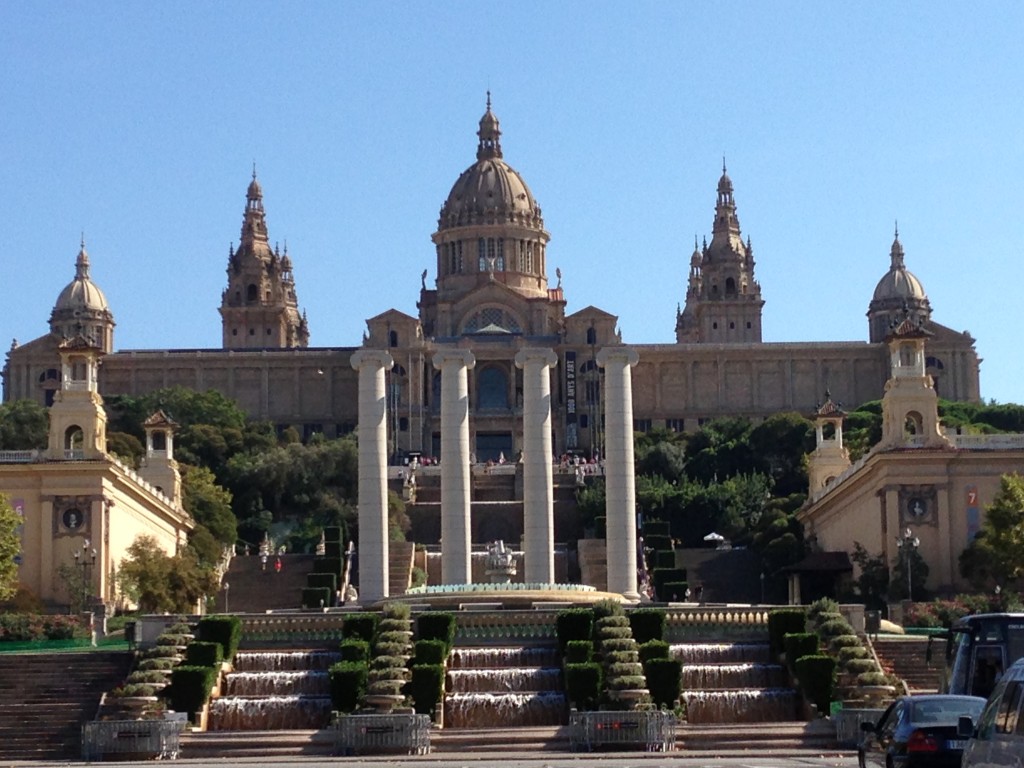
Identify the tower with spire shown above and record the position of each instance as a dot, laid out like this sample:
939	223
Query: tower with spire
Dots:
259	308
723	300
82	310
898	295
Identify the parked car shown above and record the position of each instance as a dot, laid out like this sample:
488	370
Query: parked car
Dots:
918	732
998	739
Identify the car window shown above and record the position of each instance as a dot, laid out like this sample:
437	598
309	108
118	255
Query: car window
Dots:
1009	708
988	668
896	717
987	721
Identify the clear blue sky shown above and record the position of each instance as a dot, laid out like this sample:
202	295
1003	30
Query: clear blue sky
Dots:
138	123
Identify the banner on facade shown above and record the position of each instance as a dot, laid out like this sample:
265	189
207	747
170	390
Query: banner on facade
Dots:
571	435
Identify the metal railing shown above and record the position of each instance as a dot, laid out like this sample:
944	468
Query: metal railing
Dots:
375	734
654	731
141	738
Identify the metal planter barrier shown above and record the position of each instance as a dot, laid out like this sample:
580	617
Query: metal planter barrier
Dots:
130	740
654	731
848	721
375	734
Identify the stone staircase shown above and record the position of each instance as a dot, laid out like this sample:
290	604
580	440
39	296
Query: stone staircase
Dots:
906	655
255	589
400	557
48	697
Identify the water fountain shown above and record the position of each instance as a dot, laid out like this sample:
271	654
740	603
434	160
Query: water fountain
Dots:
275	691
733	683
504	688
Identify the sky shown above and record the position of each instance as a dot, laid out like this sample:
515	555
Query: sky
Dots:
137	126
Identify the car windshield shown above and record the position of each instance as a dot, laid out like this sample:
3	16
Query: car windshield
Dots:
946	709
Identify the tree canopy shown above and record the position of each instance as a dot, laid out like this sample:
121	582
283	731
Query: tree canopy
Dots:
996	556
10	546
24	425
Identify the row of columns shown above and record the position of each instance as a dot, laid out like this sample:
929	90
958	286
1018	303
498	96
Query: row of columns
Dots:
538	480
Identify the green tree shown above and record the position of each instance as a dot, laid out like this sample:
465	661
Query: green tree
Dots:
10	546
996	556
209	504
159	582
24	425
779	446
872	581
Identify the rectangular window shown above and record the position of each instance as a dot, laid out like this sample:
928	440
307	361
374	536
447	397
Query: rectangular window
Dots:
641	425
481	247
674	425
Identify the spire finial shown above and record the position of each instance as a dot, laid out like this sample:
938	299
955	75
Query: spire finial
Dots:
723	164
897	229
488	99
254	170
82	242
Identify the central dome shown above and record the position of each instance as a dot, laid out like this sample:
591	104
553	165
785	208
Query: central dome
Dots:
489	191
899	283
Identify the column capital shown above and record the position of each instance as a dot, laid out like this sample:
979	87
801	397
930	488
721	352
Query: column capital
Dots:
542	355
372	357
623	354
461	357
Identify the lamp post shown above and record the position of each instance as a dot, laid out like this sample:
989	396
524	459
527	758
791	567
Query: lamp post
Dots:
265	550
85	560
227	589
908	544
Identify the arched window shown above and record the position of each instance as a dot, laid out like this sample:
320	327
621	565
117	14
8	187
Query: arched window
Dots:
74	438
492	389
730	286
481	255
591	336
252	293
392	338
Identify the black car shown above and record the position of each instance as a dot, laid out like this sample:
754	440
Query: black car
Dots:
918	732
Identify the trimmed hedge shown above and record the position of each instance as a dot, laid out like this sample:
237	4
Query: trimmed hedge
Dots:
583	683
655	528
348	684
664	681
316	597
426	686
327	564
226	630
579	651
333	533
362	626
191	687
782	622
325	580
657	542
437	625
653	649
817	677
355	649
798	645
662	577
573	624
202	654
600	527
665	558
647	624
673	591
430	652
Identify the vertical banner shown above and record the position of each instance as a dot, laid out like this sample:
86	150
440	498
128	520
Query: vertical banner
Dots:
973	512
572	440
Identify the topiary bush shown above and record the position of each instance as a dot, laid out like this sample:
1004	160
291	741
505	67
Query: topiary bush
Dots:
782	622
226	630
348	684
820	606
190	687
843	641
355	649
798	645
362	626
583	683
204	654
834	628
653	649
573	624
647	624
817	680
859	666
437	625
430	652
664	681
316	597
579	651
426	686
848	654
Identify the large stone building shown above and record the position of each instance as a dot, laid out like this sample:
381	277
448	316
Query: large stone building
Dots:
492	295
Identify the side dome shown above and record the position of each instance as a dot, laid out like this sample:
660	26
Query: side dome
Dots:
82	310
489	191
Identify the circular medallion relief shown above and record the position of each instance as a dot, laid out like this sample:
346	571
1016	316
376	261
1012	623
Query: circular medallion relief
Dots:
73	519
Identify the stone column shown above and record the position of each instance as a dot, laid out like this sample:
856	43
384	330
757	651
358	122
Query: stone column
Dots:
373	477
456	564
620	481
538	484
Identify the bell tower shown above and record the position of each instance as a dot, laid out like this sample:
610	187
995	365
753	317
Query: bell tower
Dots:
159	467
78	423
259	308
910	405
723	300
830	458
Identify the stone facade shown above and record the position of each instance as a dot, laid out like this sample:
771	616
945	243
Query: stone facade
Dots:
492	297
